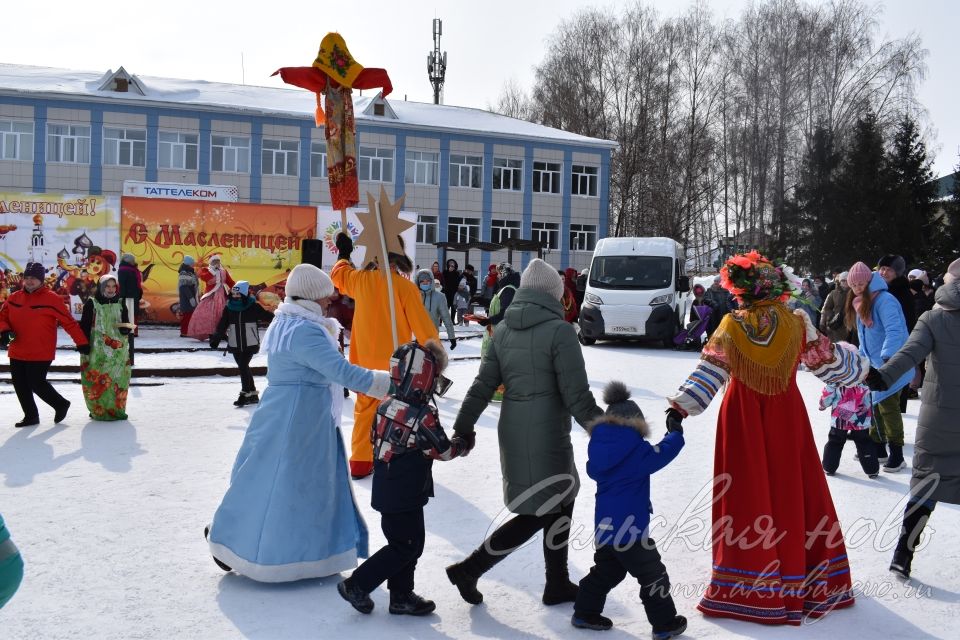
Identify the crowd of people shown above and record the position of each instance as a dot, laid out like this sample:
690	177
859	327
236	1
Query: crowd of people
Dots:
290	513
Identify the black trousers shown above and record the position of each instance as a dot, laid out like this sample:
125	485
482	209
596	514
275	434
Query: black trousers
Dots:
396	562
516	531
611	566
29	378
243	359
866	450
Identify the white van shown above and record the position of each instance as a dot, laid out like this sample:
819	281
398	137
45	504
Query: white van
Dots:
635	290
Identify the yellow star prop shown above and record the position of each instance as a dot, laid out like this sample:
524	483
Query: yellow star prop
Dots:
393	226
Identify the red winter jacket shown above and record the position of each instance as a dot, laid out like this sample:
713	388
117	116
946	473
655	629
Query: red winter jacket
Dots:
33	318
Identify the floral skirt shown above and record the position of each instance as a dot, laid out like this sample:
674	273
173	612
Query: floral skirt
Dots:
105	377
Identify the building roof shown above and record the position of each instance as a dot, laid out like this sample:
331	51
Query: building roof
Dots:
49	82
945	185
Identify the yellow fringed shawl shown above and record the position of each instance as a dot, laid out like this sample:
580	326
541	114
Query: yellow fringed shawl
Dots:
759	345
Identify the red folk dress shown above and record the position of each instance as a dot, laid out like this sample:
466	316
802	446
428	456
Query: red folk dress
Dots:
778	550
205	317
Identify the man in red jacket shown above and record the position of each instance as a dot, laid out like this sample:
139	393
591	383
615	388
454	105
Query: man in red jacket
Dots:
31	316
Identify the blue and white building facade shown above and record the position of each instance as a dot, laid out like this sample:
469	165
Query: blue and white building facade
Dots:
468	174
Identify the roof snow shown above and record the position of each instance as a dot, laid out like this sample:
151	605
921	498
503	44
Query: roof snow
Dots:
51	82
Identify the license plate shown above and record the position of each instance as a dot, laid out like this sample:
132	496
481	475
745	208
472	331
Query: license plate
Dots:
623	329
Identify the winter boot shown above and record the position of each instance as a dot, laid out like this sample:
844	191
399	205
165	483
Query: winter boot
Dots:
61	412
558	588
357	597
253	397
914	520
895	462
881	452
241	399
410	604
593	621
464	575
671	630
28	422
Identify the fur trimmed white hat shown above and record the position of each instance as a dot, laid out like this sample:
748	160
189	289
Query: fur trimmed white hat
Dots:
540	276
309	283
953	272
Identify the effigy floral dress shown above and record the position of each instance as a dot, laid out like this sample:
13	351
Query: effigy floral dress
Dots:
105	371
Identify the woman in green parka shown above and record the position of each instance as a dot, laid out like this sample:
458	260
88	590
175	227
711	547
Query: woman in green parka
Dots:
105	371
536	355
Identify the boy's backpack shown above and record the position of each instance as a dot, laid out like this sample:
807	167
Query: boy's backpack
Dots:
406	421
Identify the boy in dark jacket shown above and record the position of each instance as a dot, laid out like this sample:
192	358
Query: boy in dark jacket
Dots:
621	462
407	438
238	325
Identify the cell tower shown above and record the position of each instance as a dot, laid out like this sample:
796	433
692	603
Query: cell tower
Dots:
437	62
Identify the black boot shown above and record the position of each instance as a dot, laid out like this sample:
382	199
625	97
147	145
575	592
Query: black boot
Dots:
61	412
464	575
241	399
410	604
881	452
558	588
895	462
28	422
357	597
914	520
593	621
677	626
253	397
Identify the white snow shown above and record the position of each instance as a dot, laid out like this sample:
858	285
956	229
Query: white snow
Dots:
277	99
109	518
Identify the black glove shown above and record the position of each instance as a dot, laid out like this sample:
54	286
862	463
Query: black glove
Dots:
344	246
483	321
215	341
84	349
875	381
674	421
5	339
465	442
453	344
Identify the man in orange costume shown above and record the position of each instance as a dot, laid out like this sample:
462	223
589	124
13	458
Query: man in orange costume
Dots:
371	341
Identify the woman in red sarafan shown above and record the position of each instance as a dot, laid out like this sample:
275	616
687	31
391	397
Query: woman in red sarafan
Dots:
778	551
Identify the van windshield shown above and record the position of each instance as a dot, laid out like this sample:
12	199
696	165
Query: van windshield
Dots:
631	272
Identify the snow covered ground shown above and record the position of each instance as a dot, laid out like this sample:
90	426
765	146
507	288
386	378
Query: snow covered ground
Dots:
109	518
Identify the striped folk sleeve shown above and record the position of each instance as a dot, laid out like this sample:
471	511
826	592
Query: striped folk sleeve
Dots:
700	387
834	364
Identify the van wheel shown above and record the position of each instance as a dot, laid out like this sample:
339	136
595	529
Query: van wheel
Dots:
585	341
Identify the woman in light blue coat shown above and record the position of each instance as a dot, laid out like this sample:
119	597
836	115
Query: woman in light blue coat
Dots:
290	513
882	330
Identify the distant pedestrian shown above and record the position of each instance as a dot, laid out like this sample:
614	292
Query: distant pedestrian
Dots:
188	286
238	324
130	281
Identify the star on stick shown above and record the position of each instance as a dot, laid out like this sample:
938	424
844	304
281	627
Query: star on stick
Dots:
393	225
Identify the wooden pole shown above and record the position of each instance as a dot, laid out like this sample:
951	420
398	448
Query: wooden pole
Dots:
388	274
343	222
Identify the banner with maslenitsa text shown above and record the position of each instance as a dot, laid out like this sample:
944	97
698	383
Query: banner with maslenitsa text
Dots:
259	243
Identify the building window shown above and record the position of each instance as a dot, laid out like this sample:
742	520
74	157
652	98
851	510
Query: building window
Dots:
426	229
376	164
125	147
466	171
463	230
423	167
507	174
279	157
583	237
178	150
16	140
318	159
584	180
68	143
546	177
230	154
500	230
548	233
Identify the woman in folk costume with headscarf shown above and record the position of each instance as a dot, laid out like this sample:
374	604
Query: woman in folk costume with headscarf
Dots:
290	512
217	282
770	494
105	371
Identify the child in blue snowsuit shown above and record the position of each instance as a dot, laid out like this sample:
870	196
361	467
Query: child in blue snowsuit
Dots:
621	462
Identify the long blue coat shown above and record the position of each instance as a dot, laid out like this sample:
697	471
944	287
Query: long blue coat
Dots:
885	337
290	512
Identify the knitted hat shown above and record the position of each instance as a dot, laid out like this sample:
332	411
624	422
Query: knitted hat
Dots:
953	272
919	274
895	262
243	287
540	276
859	274
617	398
35	270
128	258
189	261
309	283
